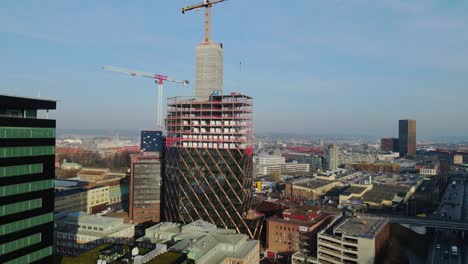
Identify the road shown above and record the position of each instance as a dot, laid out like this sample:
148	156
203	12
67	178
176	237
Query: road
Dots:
453	207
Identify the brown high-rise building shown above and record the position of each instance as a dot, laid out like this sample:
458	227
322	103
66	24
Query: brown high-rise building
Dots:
145	188
389	144
407	137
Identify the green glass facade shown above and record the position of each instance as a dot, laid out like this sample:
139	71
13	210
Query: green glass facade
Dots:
27	172
32	257
20	243
18	170
12	152
26	187
26	132
20	207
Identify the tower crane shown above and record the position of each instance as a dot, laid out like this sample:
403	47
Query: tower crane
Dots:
159	80
207	4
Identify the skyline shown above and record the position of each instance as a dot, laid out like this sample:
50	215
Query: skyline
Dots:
412	52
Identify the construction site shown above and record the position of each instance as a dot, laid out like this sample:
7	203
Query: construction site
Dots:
209	163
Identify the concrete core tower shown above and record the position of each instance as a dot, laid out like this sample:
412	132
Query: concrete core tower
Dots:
209	69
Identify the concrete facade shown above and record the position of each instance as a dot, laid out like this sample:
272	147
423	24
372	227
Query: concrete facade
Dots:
353	240
77	232
209	69
332	157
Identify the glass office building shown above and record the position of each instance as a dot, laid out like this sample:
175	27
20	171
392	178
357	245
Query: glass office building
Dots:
27	156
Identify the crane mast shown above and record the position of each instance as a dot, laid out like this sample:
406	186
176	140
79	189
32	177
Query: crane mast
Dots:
159	80
207	4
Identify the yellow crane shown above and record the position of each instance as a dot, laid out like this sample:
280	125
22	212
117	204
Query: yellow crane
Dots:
207	4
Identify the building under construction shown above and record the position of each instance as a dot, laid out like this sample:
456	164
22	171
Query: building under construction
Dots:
209	69
209	57
209	149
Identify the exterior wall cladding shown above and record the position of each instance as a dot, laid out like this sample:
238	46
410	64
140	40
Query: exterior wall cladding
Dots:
407	137
27	147
145	188
209	162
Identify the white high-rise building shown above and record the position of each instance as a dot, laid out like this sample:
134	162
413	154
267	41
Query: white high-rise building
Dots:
332	157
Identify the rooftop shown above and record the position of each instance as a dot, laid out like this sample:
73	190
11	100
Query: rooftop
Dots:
310	183
366	227
9	101
203	241
381	192
70	192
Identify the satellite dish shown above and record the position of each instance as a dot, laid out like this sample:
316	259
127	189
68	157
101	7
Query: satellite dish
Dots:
135	251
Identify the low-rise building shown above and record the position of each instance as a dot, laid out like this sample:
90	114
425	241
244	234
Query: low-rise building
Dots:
90	200
308	188
269	164
77	232
71	200
353	194
204	243
294	231
429	170
93	174
70	165
458	159
98	199
295	167
353	240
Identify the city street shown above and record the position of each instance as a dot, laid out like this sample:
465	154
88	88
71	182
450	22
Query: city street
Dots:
454	206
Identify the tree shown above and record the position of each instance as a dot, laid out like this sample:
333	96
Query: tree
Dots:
276	177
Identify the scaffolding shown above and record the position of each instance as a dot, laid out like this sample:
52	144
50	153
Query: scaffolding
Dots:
209	147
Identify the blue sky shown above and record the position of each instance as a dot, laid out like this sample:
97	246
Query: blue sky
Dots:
313	67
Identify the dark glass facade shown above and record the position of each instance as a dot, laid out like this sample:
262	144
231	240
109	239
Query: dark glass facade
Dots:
407	137
145	188
27	156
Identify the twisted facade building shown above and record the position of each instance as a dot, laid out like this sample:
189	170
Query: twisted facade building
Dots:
209	147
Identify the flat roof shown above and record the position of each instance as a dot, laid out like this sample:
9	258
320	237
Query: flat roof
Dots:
70	192
10	101
356	189
367	227
312	183
381	192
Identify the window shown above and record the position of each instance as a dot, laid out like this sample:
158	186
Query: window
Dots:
19	243
26	223
26	187
20	207
18	170
32	257
26	132
10	152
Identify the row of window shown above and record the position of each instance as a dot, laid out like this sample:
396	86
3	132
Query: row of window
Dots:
20	243
27	132
18	170
11	152
26	187
26	223
20	207
35	256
